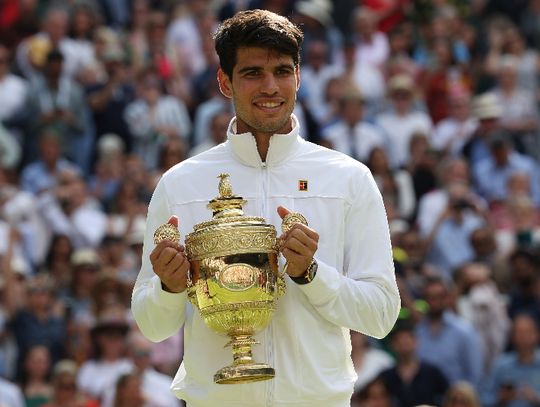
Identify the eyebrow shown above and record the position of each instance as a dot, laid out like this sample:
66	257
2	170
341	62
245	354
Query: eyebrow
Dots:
260	68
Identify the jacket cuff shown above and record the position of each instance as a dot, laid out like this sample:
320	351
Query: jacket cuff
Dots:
325	284
171	301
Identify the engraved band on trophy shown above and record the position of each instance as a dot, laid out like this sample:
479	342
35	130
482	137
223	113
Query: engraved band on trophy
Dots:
234	280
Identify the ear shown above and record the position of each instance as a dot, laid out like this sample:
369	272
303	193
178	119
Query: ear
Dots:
224	83
297	74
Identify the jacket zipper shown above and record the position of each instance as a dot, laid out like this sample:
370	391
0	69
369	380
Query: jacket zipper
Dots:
269	332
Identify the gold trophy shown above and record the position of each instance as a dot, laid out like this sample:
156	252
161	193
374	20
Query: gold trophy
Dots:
234	279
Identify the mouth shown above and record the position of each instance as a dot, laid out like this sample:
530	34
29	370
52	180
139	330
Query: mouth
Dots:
269	106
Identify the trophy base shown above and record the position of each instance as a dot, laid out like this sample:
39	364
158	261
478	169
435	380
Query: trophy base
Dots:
244	373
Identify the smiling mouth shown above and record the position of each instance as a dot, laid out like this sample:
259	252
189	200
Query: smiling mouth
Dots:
269	104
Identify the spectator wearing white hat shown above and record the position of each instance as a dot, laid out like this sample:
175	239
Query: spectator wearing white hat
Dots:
403	121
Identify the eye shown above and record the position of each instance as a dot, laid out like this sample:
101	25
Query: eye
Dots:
284	71
252	74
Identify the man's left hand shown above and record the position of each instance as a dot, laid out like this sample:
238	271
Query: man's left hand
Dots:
298	246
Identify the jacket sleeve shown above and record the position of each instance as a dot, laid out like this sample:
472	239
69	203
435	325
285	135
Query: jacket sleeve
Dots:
159	314
364	295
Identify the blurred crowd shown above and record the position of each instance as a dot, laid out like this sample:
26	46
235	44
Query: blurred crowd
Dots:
440	99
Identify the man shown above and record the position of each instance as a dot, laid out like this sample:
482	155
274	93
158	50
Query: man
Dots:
351	133
340	270
446	340
513	380
412	381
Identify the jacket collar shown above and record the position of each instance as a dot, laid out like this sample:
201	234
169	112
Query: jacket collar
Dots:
282	146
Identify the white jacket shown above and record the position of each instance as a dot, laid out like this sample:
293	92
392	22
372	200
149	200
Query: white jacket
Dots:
307	341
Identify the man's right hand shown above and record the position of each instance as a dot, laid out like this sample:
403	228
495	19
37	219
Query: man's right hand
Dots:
170	263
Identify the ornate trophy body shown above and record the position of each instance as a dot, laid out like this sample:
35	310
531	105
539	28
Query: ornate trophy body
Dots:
234	280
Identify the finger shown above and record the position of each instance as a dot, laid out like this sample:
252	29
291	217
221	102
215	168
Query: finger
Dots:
306	230
156	252
176	261
292	257
173	220
282	211
166	256
299	247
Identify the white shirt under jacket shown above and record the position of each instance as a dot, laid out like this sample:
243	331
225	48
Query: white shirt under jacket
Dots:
307	341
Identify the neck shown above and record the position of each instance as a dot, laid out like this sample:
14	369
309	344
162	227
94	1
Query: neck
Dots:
263	143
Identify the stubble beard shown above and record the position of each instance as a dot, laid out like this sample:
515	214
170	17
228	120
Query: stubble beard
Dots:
269	126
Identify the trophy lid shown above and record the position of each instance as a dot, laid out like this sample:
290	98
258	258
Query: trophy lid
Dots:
230	231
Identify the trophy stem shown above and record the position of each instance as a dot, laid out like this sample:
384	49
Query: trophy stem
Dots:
243	369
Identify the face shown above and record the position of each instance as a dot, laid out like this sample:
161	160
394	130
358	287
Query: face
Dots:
263	89
436	296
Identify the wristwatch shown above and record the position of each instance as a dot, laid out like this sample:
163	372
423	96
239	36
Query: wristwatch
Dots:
309	275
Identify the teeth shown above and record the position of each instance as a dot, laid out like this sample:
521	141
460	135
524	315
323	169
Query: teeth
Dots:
269	104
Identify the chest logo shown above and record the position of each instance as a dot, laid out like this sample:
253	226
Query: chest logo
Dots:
302	185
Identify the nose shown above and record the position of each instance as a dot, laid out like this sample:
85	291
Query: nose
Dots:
269	84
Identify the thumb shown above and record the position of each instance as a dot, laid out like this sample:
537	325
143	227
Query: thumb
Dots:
282	211
173	220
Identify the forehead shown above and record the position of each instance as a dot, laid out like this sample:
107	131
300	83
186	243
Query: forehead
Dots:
260	57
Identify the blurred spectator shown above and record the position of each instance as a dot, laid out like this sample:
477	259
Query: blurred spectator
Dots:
35	382
184	36
108	172
402	122
65	390
366	77
39	321
316	72
371	45
520	115
395	185
155	386
446	340
219	124
57	261
129	391
453	132
412	381
351	134
13	89
422	165
505	41
525	288
85	265
53	35
449	243
375	393
109	362
487	110
461	394
41	175
368	360
442	78
491	174
434	203
315	18
513	379
522	224
57	102
109	97
83	21
155	118
479	302
70	210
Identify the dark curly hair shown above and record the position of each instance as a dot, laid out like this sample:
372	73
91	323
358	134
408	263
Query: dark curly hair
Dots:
256	28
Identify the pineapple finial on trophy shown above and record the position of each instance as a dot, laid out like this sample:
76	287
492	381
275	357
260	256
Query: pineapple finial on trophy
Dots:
225	187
